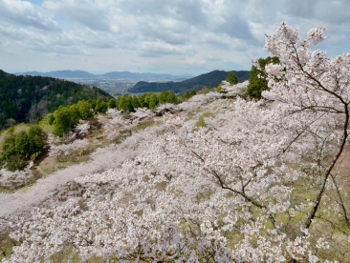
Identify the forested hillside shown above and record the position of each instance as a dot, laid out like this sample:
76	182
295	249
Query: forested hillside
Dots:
28	98
207	80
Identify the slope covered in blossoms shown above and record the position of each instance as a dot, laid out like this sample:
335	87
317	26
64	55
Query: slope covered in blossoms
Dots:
217	179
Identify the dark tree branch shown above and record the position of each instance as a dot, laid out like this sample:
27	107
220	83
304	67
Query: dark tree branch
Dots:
328	171
341	203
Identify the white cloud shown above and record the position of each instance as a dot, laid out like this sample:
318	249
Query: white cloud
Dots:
160	49
184	35
23	13
329	11
87	13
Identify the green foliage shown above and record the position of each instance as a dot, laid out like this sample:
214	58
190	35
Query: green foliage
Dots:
8	147
150	100
187	95
28	98
232	78
111	104
16	162
171	98
37	141
22	143
135	102
65	120
257	80
101	106
75	113
153	101
93	104
50	118
66	117
85	110
18	149
125	103
201	120
205	90
167	97
219	89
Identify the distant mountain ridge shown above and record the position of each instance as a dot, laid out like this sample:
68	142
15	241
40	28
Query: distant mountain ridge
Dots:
60	74
149	82
209	80
80	74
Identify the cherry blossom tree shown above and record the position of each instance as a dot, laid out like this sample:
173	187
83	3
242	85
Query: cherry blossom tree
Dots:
316	88
231	191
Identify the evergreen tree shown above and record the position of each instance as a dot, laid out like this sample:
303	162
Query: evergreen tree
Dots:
257	78
232	78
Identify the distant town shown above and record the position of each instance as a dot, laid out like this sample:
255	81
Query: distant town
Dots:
115	83
122	82
117	87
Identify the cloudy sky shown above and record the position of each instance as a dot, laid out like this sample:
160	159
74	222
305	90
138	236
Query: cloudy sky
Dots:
161	36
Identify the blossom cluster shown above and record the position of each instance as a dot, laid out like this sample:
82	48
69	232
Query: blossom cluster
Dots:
225	192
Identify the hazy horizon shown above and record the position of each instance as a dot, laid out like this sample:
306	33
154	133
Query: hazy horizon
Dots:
103	72
177	37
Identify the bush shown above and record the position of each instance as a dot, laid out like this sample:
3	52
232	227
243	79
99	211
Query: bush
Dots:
64	121
37	141
85	110
22	145
19	148
101	106
50	118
